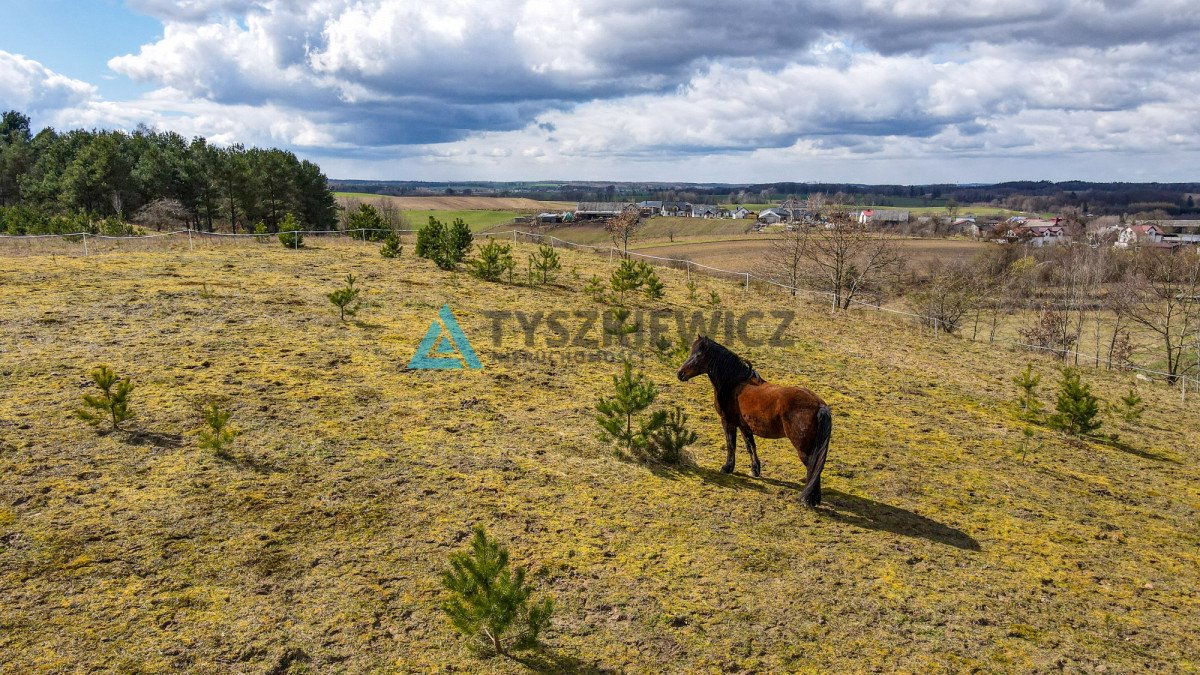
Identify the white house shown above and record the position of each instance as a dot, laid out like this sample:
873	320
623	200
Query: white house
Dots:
740	213
704	211
1038	235
1137	235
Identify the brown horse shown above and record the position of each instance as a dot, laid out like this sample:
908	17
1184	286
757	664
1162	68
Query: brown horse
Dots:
745	401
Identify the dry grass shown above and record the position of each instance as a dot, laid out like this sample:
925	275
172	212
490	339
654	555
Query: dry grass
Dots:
748	253
318	546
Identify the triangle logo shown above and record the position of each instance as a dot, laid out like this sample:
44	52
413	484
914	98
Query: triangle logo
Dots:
445	346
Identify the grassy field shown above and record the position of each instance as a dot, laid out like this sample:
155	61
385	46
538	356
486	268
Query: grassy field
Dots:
317	547
481	213
655	230
478	220
461	203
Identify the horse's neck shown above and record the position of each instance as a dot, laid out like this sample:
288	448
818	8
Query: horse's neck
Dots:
727	384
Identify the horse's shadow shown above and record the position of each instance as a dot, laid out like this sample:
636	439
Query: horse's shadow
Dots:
847	508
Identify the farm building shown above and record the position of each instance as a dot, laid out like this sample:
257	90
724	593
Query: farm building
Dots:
650	208
683	209
771	216
594	210
882	216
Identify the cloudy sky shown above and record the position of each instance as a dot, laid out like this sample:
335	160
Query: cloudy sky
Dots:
902	91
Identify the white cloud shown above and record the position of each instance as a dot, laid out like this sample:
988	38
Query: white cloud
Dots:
28	85
555	88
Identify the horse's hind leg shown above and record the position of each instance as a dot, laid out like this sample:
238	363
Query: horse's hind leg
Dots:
755	465
730	447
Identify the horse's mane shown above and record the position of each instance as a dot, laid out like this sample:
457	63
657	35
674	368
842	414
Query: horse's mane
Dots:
725	368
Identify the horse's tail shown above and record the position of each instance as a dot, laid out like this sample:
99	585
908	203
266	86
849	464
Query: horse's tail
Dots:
816	457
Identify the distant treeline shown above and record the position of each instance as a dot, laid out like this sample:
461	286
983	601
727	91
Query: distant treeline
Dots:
98	181
1173	199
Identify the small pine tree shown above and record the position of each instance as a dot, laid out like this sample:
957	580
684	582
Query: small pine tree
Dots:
691	289
655	289
111	404
1132	406
546	263
632	394
346	298
671	436
289	232
459	240
1076	406
493	261
429	238
391	246
627	277
714	299
619	325
217	434
595	288
366	223
1027	398
490	603
261	232
446	246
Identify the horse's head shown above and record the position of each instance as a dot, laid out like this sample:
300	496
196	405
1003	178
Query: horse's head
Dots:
697	360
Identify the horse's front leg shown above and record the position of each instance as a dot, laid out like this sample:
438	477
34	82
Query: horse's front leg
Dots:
755	465
730	446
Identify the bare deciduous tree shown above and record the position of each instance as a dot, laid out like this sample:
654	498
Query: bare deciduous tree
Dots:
623	228
1164	297
847	258
785	259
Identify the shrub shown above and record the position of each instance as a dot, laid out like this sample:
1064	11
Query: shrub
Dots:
445	246
1027	398
1076	406
1052	332
346	298
217	434
546	263
289	232
1132	406
632	394
714	299
691	289
490	604
391	246
671	436
260	233
112	403
493	261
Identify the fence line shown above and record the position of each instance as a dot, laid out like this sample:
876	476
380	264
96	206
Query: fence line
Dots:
1183	380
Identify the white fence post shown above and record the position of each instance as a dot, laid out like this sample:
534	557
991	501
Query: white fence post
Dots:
747	281
191	247
85	243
